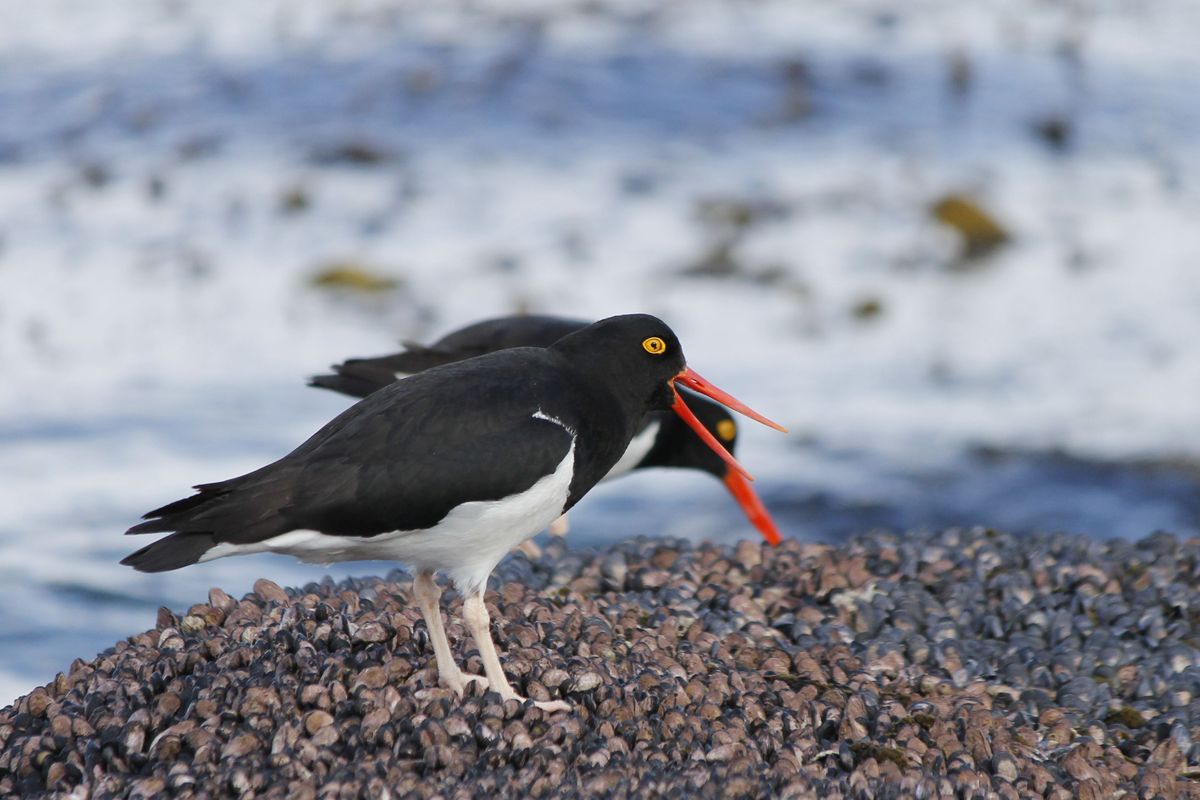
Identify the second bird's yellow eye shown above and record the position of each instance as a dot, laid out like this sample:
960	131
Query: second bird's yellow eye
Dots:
726	429
654	346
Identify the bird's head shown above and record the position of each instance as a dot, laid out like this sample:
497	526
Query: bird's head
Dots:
640	357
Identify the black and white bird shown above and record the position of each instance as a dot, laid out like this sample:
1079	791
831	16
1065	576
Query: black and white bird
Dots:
447	470
663	440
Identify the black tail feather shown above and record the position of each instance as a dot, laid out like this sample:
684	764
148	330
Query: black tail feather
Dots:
169	517
346	384
172	552
359	377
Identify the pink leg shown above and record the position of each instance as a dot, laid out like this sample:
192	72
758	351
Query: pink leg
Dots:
560	526
428	596
475	616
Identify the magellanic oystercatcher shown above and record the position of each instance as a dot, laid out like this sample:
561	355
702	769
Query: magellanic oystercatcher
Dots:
447	470
663	440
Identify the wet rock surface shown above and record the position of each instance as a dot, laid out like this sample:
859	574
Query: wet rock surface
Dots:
961	663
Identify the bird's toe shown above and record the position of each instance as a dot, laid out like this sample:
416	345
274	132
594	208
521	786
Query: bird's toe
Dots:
552	705
462	680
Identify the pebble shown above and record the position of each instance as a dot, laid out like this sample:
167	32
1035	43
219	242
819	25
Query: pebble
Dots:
586	682
316	720
965	663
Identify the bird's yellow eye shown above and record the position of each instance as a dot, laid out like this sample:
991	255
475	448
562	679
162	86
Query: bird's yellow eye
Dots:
726	429
654	346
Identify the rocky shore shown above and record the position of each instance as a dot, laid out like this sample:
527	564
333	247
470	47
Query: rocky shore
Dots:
952	664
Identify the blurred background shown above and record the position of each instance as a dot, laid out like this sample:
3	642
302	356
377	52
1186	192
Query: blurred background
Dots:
952	245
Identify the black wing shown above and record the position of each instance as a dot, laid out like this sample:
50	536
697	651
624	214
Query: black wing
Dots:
399	460
360	377
502	333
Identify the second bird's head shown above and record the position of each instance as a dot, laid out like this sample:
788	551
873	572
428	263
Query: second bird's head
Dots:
678	446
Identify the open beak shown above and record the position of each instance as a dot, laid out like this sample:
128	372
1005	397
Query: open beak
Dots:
693	381
756	512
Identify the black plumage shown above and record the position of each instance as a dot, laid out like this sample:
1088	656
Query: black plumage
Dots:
359	377
675	445
446	470
406	455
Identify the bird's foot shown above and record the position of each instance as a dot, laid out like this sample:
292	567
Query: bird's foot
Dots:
459	681
552	705
544	705
506	692
475	615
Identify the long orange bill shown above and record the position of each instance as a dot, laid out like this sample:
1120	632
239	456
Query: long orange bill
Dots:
685	413
693	381
756	512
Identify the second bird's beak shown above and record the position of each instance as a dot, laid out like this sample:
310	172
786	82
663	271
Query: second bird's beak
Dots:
693	381
755	511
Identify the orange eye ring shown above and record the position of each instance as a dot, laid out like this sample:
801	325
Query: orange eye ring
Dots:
726	429
654	345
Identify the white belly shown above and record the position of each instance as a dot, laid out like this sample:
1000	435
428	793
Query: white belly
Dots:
466	545
635	452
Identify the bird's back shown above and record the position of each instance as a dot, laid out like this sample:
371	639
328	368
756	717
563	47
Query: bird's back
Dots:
400	459
360	377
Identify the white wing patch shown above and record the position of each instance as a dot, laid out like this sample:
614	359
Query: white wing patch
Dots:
539	414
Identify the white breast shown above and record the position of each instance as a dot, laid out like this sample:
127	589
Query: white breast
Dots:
635	452
466	545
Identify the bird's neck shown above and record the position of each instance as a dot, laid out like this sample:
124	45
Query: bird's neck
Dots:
606	417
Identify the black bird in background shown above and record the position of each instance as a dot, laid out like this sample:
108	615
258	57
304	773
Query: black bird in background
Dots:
447	470
663	440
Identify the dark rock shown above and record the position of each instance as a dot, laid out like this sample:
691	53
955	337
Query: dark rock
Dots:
931	664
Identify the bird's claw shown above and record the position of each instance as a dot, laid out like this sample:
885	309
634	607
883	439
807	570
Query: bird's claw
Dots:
544	705
552	705
459	682
462	680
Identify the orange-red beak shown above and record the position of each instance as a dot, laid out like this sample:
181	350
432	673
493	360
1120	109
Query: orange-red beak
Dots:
756	512
693	381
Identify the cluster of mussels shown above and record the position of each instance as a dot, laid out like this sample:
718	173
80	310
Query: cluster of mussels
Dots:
959	663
